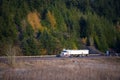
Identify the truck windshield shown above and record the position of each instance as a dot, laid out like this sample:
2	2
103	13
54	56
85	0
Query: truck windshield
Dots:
64	51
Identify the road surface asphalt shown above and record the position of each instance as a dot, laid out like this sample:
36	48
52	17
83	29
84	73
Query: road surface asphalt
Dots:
53	57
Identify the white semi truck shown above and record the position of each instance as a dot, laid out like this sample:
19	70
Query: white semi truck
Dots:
71	53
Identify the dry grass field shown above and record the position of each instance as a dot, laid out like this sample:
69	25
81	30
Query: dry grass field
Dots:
63	69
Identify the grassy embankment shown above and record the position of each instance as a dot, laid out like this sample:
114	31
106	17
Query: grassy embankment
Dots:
63	69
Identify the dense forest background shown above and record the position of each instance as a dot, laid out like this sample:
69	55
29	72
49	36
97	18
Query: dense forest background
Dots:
40	27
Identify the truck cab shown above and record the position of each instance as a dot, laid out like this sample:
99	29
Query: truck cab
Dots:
65	53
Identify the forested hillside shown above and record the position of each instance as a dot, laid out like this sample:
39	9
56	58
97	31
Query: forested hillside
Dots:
40	27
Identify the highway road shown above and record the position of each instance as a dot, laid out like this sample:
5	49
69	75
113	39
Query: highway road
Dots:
52	57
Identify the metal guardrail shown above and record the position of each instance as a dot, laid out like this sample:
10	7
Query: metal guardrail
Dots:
31	56
94	54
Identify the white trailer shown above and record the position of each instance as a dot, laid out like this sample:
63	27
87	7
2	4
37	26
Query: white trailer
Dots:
70	53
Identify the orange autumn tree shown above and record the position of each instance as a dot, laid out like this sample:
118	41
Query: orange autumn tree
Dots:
34	20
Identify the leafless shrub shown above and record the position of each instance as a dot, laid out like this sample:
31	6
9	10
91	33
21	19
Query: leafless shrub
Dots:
11	53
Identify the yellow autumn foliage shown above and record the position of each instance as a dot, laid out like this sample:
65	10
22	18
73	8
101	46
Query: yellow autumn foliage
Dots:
51	19
74	46
84	40
43	51
34	20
